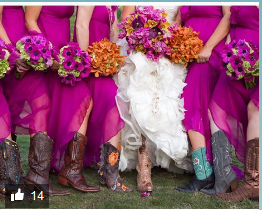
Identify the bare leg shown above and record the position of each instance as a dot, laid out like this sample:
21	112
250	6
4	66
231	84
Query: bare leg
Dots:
9	137
213	126
197	139
253	121
115	140
84	125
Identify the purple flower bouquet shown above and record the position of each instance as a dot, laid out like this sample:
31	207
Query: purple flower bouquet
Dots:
74	64
36	51
240	59
7	58
146	31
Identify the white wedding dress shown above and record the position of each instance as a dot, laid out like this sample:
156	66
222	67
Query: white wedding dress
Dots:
149	102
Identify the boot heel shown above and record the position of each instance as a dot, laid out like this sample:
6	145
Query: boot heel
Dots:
102	181
254	199
63	181
30	186
234	185
209	186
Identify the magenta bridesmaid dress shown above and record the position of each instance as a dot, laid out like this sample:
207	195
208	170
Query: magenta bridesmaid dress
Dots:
202	77
69	104
104	122
230	97
5	117
28	98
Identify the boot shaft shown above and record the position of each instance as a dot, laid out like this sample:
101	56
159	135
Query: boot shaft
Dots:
111	157
75	151
40	154
222	159
202	167
10	165
252	163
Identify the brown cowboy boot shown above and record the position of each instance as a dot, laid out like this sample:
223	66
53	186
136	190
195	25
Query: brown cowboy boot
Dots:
108	173
10	167
72	171
143	167
39	158
250	187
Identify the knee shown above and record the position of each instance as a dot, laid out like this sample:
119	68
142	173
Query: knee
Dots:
252	109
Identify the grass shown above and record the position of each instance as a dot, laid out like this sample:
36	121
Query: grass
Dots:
164	195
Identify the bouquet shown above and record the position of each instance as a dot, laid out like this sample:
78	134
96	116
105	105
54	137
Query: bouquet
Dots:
36	51
240	59
7	58
146	31
74	64
184	45
105	57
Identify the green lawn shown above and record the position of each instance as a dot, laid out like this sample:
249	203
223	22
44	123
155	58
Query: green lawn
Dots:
164	195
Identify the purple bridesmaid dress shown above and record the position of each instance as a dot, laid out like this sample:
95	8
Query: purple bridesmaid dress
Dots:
230	97
69	104
104	122
5	117
28	98
202	77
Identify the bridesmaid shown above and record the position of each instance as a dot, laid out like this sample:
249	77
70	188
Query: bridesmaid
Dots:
71	106
238	115
94	23
212	23
29	104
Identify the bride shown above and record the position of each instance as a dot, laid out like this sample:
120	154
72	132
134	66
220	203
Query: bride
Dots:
149	102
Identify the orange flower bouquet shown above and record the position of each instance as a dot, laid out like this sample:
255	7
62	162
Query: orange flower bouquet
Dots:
184	45
105	58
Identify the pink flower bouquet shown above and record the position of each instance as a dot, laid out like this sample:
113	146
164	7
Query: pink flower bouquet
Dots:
146	31
240	59
74	64
7	58
36	50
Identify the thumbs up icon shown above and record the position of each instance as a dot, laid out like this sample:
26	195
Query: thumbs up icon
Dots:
19	196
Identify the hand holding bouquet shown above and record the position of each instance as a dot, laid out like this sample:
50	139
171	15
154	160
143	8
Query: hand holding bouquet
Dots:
74	64
105	57
7	58
184	45
146	31
240	59
36	51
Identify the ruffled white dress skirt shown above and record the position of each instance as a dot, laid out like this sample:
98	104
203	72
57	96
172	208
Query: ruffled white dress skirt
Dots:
149	102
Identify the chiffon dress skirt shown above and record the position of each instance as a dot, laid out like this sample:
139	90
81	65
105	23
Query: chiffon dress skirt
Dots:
105	121
5	117
230	98
202	77
28	98
69	104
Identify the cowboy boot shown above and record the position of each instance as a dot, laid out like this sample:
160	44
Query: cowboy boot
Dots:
143	167
108	173
71	173
204	176
250	187
39	158
10	167
225	177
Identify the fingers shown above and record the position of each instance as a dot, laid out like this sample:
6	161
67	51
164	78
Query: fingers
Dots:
21	65
21	69
202	59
